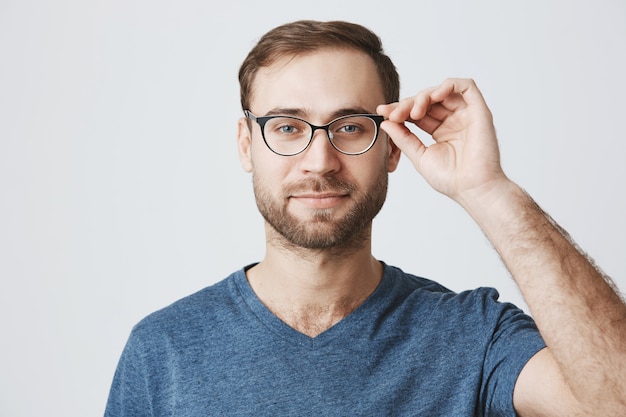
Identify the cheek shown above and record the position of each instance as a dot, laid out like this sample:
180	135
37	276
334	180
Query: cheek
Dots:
373	165
269	170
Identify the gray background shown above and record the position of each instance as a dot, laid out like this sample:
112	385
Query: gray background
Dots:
121	191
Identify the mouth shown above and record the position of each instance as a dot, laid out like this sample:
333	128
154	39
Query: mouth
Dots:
318	200
322	193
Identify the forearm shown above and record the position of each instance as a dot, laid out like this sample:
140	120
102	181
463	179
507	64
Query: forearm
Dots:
577	309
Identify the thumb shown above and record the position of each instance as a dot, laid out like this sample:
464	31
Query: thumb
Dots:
406	140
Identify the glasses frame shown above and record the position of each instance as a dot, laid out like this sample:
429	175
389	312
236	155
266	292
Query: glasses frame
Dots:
262	120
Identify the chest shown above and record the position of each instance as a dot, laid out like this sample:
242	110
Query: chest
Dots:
374	378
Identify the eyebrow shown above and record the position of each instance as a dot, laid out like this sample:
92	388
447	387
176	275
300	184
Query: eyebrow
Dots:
302	113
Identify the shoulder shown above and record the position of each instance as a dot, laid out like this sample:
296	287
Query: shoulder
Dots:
474	318
193	313
442	304
410	284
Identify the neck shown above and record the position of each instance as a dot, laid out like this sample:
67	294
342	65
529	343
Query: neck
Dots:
313	289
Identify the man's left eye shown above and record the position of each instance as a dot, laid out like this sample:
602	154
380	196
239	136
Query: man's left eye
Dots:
349	129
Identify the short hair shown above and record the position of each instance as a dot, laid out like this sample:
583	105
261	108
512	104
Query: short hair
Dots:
305	36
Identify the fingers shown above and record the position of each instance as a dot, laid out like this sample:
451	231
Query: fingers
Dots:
434	103
406	140
409	109
456	117
428	122
457	88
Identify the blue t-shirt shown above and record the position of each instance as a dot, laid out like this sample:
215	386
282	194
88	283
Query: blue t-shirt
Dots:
413	348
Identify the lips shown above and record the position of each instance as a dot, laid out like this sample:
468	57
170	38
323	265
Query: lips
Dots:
319	193
318	201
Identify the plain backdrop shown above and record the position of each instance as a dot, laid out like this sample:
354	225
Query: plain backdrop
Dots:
121	190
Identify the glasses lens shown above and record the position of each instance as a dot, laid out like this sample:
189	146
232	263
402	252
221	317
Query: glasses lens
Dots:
286	135
353	134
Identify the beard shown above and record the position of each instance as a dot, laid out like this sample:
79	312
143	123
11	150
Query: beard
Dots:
322	230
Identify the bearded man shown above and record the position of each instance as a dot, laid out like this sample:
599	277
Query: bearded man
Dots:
320	327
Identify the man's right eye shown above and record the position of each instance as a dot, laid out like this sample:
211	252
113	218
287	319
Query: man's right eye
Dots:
287	129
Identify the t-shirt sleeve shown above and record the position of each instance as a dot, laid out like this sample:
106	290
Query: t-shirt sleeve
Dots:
514	341
129	394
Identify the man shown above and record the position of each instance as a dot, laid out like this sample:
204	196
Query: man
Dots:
319	327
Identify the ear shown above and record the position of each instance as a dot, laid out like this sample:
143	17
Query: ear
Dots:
244	144
394	154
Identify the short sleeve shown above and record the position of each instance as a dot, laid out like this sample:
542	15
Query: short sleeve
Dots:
514	342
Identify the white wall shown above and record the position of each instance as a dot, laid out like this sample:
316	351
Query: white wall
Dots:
121	191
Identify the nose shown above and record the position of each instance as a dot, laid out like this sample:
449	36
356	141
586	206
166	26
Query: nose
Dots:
320	157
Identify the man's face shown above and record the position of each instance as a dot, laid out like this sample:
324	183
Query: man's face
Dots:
320	198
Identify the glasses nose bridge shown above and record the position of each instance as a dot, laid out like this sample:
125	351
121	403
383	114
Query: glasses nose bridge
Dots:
325	128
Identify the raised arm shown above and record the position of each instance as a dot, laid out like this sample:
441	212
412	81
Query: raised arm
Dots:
576	307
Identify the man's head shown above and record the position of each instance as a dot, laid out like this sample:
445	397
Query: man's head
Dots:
319	198
306	36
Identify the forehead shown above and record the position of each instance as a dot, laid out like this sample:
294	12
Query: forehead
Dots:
318	83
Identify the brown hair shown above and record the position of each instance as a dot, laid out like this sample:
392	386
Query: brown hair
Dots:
305	36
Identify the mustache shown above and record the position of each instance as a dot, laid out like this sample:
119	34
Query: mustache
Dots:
319	185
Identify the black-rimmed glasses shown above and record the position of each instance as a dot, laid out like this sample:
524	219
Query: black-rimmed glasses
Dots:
353	134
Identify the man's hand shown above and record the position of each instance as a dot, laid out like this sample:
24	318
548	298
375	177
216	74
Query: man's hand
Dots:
464	161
